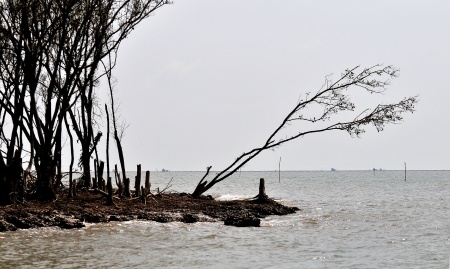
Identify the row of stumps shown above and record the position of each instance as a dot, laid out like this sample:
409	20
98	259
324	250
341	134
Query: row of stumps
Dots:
105	188
141	191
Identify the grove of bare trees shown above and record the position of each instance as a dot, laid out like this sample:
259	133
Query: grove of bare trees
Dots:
53	55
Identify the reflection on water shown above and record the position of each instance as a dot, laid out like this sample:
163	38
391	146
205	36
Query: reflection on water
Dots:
349	220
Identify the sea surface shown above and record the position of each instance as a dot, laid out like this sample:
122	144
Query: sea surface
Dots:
349	219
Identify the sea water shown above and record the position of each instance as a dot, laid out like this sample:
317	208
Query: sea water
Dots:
348	219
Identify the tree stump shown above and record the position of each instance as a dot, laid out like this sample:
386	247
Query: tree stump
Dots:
147	182
126	187
262	196
137	183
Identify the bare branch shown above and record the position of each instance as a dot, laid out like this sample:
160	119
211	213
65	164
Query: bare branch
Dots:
332	99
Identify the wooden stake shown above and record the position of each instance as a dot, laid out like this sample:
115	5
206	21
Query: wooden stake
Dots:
405	171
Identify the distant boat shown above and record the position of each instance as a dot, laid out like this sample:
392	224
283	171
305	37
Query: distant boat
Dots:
332	169
164	170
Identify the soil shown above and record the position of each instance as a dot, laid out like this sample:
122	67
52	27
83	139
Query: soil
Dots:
92	207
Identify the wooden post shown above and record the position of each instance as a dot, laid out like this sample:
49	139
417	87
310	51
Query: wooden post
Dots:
137	182
147	182
405	171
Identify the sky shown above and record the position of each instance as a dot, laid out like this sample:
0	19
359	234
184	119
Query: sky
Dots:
200	82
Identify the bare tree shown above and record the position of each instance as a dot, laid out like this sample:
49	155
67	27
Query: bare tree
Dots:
50	53
333	98
118	134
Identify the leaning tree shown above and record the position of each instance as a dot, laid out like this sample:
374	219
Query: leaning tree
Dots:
319	110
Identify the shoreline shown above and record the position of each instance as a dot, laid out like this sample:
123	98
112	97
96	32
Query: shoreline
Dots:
91	207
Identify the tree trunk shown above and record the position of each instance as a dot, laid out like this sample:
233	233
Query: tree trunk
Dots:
137	183
94	180
45	169
110	191
126	181
118	181
107	149
126	187
72	157
10	176
86	163
100	169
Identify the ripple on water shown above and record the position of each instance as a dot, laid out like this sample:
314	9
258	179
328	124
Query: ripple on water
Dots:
358	221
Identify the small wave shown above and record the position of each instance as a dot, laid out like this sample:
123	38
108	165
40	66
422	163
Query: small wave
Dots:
228	197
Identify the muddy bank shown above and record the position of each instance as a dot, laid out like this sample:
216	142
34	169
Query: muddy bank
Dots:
89	207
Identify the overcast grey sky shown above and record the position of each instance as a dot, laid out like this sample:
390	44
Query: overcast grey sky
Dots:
200	82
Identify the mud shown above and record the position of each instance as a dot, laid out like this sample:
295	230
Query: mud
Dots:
89	207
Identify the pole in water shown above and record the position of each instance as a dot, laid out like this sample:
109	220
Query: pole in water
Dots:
279	171
405	171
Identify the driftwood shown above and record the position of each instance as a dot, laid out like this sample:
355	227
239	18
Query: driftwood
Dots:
167	187
96	190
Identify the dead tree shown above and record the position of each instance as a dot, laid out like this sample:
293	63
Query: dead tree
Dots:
119	182
72	157
333	98
108	177
117	134
147	182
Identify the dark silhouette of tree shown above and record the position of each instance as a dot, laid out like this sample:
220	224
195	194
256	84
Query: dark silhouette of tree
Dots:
50	53
333	98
